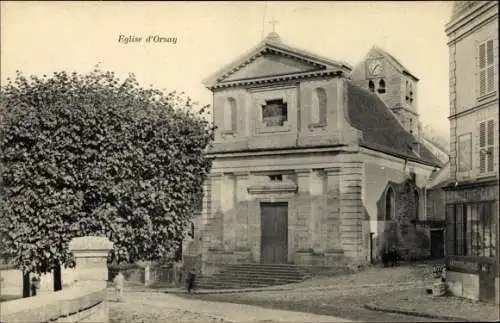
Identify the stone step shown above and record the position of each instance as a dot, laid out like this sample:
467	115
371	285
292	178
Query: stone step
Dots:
261	280
266	269
252	275
256	277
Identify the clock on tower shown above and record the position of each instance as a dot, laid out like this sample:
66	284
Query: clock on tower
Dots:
375	67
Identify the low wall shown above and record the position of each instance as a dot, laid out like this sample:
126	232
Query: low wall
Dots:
463	284
83	302
13	281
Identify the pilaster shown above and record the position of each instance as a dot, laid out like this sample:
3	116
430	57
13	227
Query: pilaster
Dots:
332	221
242	210
304	225
351	209
214	229
228	214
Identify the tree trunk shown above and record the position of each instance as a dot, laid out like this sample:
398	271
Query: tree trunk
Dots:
57	277
26	284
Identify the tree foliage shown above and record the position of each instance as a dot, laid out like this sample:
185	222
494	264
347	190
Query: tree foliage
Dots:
88	154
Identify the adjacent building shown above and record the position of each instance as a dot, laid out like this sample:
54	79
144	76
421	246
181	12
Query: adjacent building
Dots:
471	194
309	164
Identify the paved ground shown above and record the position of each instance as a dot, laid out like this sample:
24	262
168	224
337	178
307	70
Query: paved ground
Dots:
347	303
341	296
152	307
418	301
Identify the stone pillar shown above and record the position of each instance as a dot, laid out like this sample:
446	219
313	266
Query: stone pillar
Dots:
303	229
318	208
241	207
332	223
147	271
351	210
91	255
214	228
228	214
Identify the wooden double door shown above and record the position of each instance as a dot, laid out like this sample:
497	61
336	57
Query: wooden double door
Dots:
274	233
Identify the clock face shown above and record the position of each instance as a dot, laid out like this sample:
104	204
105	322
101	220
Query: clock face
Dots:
375	67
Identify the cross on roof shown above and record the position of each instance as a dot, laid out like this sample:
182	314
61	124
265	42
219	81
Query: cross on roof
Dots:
273	23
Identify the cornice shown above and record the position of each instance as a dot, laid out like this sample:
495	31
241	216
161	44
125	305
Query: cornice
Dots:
473	19
278	151
492	100
276	78
265	189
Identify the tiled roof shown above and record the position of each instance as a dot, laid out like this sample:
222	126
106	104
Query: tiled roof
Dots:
381	130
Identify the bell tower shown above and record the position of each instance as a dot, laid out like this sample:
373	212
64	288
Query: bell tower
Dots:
385	76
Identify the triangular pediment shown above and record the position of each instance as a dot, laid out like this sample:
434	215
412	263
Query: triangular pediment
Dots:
272	58
271	65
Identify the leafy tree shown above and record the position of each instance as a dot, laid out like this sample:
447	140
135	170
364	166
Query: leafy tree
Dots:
88	154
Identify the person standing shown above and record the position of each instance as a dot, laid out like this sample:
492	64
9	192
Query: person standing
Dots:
119	281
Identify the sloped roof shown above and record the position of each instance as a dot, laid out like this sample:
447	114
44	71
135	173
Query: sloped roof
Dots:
394	62
440	177
273	43
380	127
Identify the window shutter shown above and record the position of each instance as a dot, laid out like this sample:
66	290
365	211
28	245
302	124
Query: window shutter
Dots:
489	52
482	134
490	71
482	70
482	56
490	78
482	145
482	82
490	134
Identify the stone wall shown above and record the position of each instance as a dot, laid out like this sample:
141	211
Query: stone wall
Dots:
83	301
327	224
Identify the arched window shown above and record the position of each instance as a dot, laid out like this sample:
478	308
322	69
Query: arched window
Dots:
230	115
381	86
371	86
411	93
318	111
390	206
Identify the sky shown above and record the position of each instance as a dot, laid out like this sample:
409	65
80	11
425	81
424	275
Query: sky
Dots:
43	37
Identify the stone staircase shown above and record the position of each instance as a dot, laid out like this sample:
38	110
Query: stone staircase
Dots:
253	276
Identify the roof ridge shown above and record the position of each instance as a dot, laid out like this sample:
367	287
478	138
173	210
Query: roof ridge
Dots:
394	60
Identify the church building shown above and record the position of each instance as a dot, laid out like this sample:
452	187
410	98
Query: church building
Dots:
311	158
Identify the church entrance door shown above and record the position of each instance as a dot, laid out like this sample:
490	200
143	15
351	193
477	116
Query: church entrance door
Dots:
274	233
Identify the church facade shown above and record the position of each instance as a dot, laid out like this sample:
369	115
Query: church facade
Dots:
308	166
